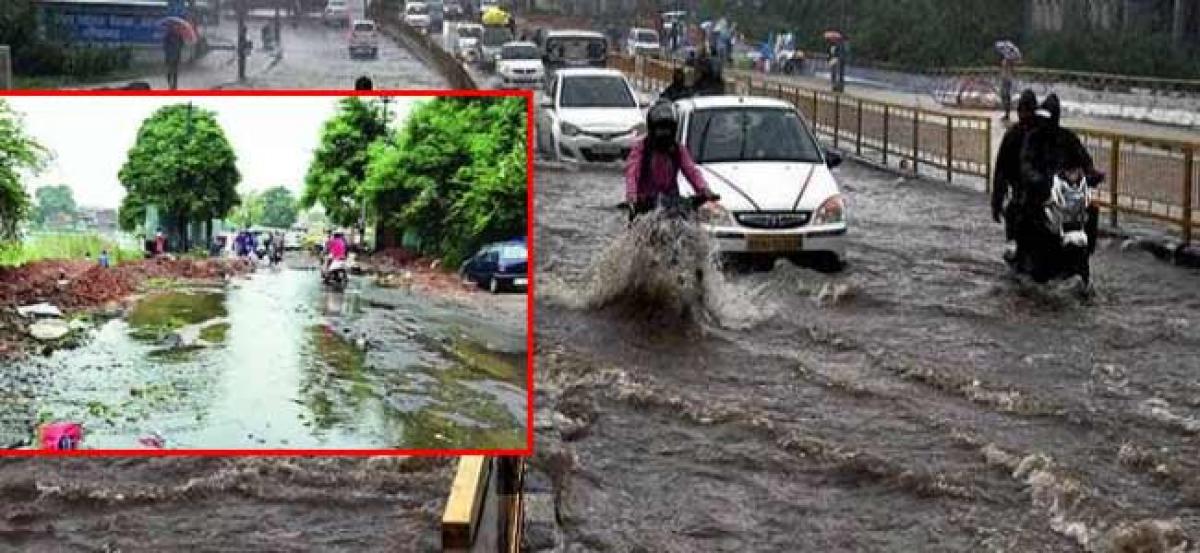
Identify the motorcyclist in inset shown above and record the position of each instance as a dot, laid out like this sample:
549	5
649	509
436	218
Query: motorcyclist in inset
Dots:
1006	183
656	161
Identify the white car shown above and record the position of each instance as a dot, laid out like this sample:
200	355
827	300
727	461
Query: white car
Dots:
335	13
467	43
589	115
416	15
520	66
364	40
778	195
641	42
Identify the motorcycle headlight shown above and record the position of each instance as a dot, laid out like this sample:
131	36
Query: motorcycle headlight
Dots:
831	211
570	130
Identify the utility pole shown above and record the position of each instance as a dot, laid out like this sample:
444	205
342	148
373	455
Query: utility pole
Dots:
278	29
191	180
243	45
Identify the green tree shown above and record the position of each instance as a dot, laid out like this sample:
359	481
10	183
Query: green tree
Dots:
19	154
339	165
455	175
53	201
250	211
279	208
183	164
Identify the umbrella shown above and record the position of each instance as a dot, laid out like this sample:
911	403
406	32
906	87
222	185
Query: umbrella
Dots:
179	25
833	36
1008	50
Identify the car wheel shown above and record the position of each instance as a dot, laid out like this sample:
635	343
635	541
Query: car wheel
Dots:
494	285
828	262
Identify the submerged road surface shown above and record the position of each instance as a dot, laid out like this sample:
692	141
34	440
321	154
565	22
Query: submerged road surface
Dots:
920	400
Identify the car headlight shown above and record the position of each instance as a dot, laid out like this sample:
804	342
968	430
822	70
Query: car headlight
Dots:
570	130
831	211
716	215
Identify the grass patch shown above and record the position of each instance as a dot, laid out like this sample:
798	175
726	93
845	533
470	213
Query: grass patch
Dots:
214	333
64	246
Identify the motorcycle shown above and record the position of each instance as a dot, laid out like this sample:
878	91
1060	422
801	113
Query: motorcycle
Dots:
1068	234
337	274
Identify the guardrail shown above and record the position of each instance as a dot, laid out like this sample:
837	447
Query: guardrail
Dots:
1085	79
1147	177
922	141
484	511
425	48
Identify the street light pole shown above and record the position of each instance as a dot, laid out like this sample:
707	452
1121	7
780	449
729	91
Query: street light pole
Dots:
242	43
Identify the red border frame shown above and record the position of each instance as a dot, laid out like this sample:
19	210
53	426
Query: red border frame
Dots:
529	294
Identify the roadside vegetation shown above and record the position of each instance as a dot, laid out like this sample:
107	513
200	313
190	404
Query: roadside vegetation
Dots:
47	60
64	246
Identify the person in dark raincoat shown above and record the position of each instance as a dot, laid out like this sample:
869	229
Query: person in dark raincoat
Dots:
1007	179
173	52
709	81
679	88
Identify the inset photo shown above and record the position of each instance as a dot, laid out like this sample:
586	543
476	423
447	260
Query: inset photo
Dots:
264	273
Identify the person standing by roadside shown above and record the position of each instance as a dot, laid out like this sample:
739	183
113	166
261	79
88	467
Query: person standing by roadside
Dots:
173	52
160	244
104	258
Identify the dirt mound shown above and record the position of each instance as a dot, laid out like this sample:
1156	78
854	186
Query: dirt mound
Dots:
75	284
38	281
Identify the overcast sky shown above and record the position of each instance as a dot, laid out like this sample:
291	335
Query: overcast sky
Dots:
274	137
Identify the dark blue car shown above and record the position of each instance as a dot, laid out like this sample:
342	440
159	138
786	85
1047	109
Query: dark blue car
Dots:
500	266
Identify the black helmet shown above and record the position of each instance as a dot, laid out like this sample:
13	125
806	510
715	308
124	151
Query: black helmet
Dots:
662	122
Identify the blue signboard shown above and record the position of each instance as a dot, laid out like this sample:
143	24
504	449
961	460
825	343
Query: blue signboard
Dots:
112	22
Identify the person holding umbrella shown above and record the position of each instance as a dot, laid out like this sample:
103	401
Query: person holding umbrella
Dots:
173	51
1009	54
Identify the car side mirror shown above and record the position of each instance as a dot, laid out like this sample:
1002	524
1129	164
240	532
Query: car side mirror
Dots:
832	158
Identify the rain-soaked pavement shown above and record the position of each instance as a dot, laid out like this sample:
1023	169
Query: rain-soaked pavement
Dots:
279	361
920	400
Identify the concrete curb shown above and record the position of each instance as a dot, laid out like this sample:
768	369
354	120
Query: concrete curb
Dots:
430	53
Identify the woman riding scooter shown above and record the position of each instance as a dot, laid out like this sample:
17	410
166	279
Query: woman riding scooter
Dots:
654	165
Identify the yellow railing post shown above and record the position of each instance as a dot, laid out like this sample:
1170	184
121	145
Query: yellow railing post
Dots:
837	119
987	156
858	131
1114	180
1189	160
916	141
949	148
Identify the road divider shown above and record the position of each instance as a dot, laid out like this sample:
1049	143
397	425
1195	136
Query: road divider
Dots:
426	49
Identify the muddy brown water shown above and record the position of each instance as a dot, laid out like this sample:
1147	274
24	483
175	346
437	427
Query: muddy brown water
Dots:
920	400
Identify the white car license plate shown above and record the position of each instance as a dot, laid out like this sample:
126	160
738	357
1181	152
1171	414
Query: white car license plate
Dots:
606	149
520	282
774	243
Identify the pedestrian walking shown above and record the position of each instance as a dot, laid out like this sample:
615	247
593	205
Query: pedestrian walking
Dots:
173	52
363	83
104	258
1006	84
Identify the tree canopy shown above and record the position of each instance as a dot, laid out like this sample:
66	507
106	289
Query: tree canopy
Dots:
19	154
279	207
340	162
181	163
454	176
53	201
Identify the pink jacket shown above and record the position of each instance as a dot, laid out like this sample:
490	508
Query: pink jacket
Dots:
663	174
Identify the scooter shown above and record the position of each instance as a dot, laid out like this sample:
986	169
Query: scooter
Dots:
1070	232
337	274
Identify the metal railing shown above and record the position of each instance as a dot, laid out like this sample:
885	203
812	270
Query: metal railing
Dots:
1147	177
922	141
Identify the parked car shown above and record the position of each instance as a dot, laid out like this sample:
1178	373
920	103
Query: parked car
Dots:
500	266
568	49
778	195
642	42
589	115
416	15
336	13
520	66
364	39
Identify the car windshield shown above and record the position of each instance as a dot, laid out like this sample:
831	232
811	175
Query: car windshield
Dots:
470	32
750	134
523	52
576	48
496	36
418	9
596	92
364	27
645	36
513	252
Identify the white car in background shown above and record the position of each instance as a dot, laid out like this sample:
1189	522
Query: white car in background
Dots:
467	41
364	40
520	66
416	15
335	13
589	115
778	195
642	42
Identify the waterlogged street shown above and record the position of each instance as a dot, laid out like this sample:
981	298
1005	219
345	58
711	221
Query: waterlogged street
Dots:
920	400
277	360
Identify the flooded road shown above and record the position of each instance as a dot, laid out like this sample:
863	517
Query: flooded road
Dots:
278	361
920	400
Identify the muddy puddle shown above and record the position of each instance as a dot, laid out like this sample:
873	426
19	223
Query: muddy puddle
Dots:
277	361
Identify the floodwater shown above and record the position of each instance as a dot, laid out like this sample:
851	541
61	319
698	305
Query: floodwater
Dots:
919	400
277	361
